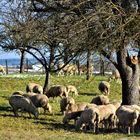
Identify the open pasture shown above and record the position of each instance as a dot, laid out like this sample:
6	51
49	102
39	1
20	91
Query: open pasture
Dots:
50	127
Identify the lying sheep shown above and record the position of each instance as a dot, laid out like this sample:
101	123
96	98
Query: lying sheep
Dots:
100	100
24	104
76	107
33	87
127	118
56	91
65	102
89	117
40	100
70	116
104	87
2	70
72	89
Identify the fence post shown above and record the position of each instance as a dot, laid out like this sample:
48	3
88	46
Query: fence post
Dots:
6	66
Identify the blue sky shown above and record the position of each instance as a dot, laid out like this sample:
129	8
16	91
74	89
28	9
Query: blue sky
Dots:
11	55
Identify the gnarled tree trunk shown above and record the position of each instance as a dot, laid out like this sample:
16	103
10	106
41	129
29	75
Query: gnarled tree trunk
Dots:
129	72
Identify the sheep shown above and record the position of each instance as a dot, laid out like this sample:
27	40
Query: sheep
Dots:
104	87
65	102
100	100
72	89
115	75
107	114
2	70
33	87
18	93
56	91
88	117
70	116
76	107
24	104
127	118
40	100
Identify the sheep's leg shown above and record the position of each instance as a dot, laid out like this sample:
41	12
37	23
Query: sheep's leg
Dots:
128	130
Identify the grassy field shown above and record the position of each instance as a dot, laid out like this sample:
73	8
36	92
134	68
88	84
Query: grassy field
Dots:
48	127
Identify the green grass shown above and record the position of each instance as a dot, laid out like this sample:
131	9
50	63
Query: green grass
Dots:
50	127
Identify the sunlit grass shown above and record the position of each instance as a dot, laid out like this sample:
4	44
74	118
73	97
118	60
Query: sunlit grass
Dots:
50	127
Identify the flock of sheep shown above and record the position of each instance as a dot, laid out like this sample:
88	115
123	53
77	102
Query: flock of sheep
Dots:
100	112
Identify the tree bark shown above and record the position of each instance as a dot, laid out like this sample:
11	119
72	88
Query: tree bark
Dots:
102	69
22	61
46	84
130	78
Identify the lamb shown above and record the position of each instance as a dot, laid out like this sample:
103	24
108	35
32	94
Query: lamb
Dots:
56	91
70	116
127	118
33	87
65	102
88	117
72	89
24	104
100	100
2	70
40	100
104	87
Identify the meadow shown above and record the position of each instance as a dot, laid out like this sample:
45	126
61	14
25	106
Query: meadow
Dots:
50	127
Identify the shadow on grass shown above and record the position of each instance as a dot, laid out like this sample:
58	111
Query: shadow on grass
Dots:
5	108
88	94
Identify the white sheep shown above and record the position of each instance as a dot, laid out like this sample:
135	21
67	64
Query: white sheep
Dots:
2	70
24	104
40	100
104	87
57	90
89	117
127	118
72	89
65	102
33	87
100	100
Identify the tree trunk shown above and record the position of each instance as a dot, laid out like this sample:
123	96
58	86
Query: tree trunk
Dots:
130	78
102	68
46	84
22	61
89	64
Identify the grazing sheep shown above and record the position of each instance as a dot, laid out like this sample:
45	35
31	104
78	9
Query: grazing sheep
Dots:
33	87
107	115
65	102
24	104
56	91
2	70
100	100
70	116
88	117
127	118
40	100
18	93
76	107
72	89
104	87
115	75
